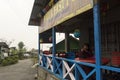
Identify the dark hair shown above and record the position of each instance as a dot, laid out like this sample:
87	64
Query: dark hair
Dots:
86	44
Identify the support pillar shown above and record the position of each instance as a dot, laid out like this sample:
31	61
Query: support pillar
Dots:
97	38
54	47
38	43
39	47
67	45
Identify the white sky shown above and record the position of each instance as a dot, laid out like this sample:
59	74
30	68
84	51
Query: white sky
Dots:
14	17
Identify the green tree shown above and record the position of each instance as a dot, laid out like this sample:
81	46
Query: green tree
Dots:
21	49
21	45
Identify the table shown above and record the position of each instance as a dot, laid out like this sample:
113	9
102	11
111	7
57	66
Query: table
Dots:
92	60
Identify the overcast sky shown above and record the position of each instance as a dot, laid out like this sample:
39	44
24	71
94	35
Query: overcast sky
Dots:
14	17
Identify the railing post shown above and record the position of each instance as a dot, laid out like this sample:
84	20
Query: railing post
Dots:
76	73
97	38
54	47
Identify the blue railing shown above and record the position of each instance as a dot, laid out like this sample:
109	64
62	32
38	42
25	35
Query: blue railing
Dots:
67	69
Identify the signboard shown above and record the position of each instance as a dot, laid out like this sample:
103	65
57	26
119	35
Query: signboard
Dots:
64	10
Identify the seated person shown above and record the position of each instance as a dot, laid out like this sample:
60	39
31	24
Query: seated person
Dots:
85	52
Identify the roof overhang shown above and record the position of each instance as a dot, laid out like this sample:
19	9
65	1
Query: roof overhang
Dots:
63	11
37	7
84	18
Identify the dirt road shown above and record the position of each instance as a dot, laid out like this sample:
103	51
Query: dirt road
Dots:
20	71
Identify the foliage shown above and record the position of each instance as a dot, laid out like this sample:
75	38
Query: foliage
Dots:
21	50
0	60
4	63
10	60
13	51
20	54
21	45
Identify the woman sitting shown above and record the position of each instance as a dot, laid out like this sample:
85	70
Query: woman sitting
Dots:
85	52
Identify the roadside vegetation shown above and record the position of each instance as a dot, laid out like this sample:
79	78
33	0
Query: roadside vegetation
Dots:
14	55
34	56
9	60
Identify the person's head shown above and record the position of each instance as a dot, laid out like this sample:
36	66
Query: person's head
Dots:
86	46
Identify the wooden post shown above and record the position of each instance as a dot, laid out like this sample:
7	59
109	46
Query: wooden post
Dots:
67	46
54	46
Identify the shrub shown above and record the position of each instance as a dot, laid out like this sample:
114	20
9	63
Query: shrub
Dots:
0	60
4	62
9	60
